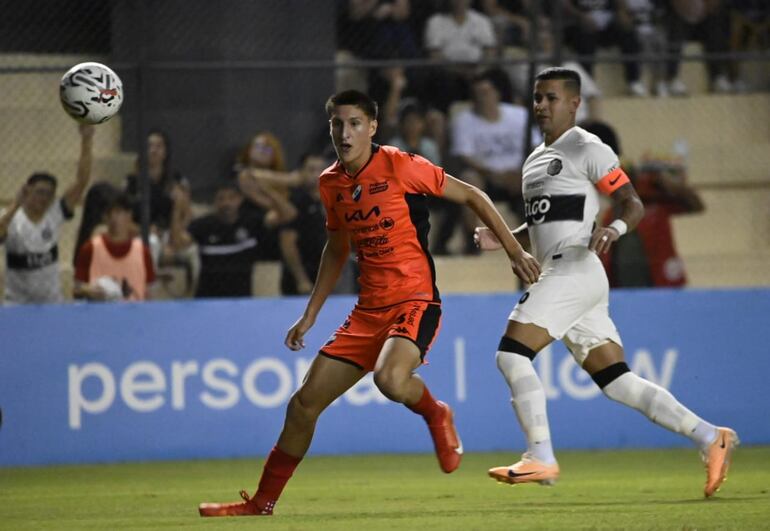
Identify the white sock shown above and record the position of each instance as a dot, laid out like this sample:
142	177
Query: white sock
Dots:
661	407
528	400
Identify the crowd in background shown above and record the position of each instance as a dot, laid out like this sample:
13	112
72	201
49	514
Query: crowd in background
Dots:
467	116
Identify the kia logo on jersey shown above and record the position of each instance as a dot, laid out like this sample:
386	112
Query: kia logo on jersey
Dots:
359	215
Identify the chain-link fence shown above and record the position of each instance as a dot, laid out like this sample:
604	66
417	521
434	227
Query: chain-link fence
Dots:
216	88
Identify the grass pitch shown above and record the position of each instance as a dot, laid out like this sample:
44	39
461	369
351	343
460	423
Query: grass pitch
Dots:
651	489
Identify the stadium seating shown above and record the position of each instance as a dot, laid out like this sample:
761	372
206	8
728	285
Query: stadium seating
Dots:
727	135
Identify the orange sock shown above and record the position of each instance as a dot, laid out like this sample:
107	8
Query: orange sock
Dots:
278	469
426	406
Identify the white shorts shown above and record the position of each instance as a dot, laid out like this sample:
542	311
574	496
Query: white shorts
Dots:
571	301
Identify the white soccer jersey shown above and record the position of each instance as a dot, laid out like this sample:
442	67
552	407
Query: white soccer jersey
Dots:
561	201
32	256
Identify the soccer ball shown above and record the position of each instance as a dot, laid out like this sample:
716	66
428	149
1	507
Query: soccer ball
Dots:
91	93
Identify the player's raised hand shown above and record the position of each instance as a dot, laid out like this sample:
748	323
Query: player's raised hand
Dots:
295	335
526	267
602	239
485	239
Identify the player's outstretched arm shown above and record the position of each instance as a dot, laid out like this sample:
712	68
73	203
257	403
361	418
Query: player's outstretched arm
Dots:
631	213
333	259
524	265
486	240
74	193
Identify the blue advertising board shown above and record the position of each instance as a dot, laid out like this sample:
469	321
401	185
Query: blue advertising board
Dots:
201	379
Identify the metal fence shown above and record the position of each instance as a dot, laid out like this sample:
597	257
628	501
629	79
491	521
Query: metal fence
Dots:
223	80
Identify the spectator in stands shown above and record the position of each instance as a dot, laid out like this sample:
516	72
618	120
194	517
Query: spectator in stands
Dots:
706	21
489	140
464	36
598	23
511	20
260	170
378	29
647	257
749	29
163	179
227	239
590	93
98	198
646	16
115	265
303	238
411	136
31	226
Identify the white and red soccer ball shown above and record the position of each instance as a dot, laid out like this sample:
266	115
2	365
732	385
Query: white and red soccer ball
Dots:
91	93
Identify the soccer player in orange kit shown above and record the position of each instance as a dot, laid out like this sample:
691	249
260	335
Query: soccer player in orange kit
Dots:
375	197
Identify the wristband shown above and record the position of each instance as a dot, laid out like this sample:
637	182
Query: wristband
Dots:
619	225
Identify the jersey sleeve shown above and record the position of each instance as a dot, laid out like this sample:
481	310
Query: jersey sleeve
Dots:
603	168
420	176
332	221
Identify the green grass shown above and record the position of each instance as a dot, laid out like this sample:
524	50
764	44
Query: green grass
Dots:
598	490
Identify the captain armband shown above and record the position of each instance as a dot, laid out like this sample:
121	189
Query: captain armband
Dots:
612	181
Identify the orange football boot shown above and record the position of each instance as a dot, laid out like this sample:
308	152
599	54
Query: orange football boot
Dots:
717	459
528	470
248	507
449	448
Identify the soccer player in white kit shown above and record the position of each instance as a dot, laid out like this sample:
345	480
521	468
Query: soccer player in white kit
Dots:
30	228
561	182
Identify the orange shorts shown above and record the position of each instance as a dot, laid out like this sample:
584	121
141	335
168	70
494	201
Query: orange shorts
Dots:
360	338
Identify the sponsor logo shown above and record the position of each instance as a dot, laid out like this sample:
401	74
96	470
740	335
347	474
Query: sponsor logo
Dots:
412	315
387	223
374	241
401	330
401	318
368	228
524	298
616	179
339	197
47	233
376	188
546	208
554	167
359	215
357	193
378	252
536	208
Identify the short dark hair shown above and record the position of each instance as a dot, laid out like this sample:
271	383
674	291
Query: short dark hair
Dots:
41	177
570	77
355	98
122	201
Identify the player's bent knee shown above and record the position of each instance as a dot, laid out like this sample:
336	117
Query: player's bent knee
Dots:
301	409
509	345
391	385
609	374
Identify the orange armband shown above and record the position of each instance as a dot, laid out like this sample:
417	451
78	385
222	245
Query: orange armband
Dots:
612	181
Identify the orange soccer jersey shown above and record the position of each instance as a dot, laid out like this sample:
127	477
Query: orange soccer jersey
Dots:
384	209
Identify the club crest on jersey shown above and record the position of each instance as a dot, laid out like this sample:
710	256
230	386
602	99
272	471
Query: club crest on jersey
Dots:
357	193
339	197
554	167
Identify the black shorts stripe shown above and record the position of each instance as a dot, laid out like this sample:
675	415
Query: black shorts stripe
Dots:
608	374
343	360
428	327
